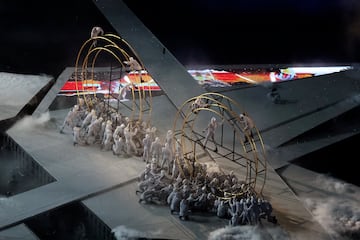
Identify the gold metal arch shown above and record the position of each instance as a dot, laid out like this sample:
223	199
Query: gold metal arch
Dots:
230	138
121	51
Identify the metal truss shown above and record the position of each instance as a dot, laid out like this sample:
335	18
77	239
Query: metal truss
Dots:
229	141
119	50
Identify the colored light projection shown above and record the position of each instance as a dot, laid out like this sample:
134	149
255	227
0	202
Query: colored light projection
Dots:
206	77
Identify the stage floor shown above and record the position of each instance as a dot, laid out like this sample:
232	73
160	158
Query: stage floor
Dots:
106	184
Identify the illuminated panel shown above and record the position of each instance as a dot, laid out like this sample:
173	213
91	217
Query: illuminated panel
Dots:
210	77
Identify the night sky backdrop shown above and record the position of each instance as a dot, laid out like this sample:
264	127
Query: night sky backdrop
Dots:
45	36
257	31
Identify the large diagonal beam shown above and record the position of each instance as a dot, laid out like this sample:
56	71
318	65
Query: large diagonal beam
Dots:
167	71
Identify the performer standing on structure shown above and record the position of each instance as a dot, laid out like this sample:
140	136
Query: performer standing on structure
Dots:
248	126
95	32
210	132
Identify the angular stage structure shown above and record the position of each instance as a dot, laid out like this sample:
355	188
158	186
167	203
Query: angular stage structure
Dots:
90	192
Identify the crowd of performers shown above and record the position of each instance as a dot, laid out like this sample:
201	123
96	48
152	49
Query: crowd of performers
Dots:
195	190
104	126
169	178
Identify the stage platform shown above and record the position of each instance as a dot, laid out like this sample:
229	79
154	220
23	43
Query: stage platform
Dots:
16	91
104	184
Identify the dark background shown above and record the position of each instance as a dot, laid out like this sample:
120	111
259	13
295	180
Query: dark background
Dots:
45	36
256	31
